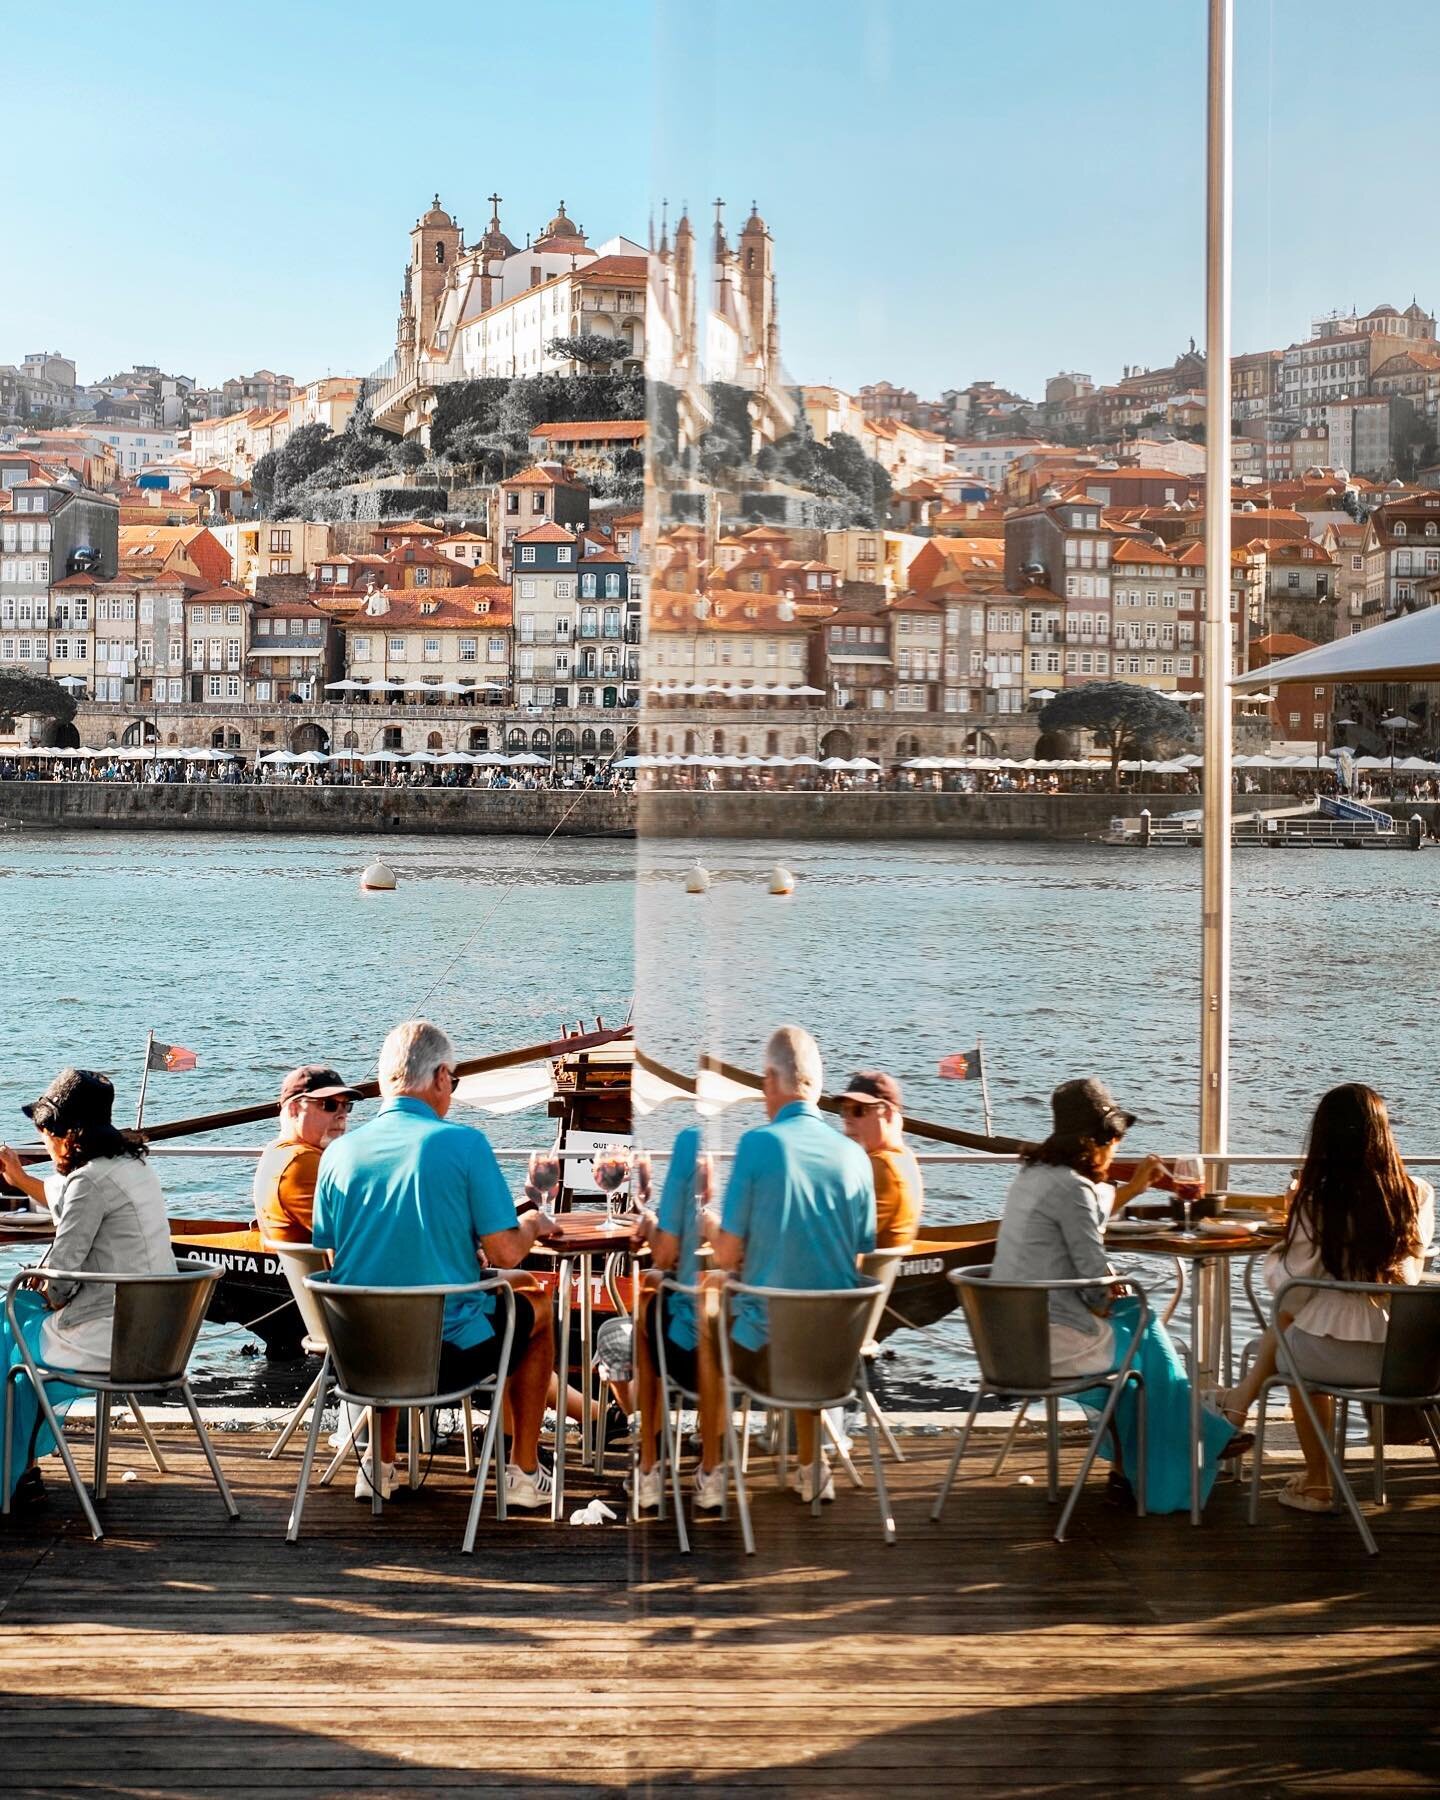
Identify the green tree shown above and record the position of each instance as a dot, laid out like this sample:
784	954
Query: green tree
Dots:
1127	721
589	348
23	695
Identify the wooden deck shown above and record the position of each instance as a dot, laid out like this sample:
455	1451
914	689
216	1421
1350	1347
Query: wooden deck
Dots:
188	1656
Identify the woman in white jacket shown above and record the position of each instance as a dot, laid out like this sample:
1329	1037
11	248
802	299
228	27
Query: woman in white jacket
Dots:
1357	1215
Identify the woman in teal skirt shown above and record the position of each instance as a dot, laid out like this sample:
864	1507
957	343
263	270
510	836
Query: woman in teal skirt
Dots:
1052	1229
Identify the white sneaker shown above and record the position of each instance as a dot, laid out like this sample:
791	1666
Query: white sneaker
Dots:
710	1488
365	1480
527	1490
802	1481
649	1490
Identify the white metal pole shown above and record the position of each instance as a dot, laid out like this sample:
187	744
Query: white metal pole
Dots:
144	1081
1215	916
984	1083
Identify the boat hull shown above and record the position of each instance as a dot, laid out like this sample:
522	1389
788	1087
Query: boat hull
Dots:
923	1293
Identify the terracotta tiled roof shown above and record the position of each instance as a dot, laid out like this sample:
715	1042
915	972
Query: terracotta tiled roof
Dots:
545	534
537	477
615	268
452	609
598	429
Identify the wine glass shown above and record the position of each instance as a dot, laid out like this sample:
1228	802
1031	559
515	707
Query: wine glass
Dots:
611	1169
1189	1172
543	1174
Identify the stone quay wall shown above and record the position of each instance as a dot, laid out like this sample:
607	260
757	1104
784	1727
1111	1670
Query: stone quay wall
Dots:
79	806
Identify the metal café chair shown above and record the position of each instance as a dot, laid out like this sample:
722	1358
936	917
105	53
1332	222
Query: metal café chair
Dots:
297	1262
673	1399
383	1346
1409	1376
1010	1329
156	1321
816	1336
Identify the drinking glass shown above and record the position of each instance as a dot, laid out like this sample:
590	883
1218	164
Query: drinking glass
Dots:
611	1169
544	1174
1189	1172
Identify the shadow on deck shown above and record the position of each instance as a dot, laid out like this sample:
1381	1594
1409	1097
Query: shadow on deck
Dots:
188	1656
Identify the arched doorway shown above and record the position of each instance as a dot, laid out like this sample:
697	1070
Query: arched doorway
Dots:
309	736
60	737
565	741
479	738
137	732
517	739
979	743
351	740
837	743
434	741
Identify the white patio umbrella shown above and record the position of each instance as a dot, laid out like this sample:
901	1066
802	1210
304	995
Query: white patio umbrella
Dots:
1396	723
312	757
456	759
863	764
279	756
381	756
346	687
1406	649
835	762
527	759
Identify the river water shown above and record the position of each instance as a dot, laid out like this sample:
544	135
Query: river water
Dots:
259	953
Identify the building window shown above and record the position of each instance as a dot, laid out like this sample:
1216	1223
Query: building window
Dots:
527	553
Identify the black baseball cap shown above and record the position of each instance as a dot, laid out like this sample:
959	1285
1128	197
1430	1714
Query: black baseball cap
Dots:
74	1099
1086	1108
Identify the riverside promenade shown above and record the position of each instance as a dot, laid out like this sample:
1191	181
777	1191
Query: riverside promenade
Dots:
188	1656
814	814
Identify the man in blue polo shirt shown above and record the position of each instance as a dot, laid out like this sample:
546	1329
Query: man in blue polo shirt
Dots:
799	1210
407	1200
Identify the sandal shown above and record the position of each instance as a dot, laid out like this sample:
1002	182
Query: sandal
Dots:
1226	1404
1300	1497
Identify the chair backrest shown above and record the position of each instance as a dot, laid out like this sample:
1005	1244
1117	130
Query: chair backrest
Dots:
816	1337
384	1342
882	1266
296	1262
157	1319
1411	1364
1010	1329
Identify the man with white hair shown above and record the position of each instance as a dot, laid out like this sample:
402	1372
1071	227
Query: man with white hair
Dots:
799	1210
404	1201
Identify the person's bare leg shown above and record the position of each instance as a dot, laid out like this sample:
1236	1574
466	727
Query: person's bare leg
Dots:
1317	1470
1244	1395
806	1425
389	1429
712	1401
647	1387
528	1388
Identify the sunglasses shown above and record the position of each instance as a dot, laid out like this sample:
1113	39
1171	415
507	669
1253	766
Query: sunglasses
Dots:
329	1103
854	1109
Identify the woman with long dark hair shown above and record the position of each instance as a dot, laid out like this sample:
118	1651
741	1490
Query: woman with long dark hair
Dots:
1052	1229
109	1215
1357	1214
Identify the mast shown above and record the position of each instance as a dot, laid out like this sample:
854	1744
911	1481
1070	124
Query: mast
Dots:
1215	902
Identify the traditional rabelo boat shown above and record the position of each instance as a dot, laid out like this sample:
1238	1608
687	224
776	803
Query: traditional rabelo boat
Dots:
594	1083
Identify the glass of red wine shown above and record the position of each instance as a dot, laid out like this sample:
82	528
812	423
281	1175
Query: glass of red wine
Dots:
544	1174
1189	1172
611	1169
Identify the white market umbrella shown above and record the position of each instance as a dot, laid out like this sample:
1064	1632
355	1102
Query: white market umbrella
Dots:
312	757
1396	723
455	759
836	762
346	687
279	756
863	764
527	759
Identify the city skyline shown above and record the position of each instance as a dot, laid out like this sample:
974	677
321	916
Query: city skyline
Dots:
928	230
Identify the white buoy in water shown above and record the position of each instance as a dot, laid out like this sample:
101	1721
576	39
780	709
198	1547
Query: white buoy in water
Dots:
378	878
697	881
781	880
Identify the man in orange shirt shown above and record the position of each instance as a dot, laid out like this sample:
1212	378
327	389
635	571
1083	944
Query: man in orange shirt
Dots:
873	1114
314	1110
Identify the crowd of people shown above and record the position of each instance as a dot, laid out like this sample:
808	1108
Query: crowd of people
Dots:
166	771
414	1198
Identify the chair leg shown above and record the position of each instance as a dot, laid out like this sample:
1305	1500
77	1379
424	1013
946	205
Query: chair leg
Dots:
1377	1430
312	1438
742	1501
1337	1472
745	1430
1257	1453
882	1493
817	1464
293	1423
102	1445
1087	1461
487	1454
467	1413
847	1462
352	1431
1142	1441
670	1457
1052	1449
67	1456
209	1449
136	1412
1009	1444
377	1504
1427	1419
877	1412
412	1446
960	1444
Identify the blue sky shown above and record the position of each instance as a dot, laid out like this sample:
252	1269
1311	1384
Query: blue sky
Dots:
956	190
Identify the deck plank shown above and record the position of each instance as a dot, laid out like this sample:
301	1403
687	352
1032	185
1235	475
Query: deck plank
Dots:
189	1656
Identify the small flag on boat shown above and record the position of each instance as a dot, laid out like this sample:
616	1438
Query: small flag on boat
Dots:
964	1065
175	1059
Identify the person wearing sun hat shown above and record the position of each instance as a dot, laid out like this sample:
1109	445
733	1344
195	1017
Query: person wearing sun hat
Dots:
109	1214
1052	1229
